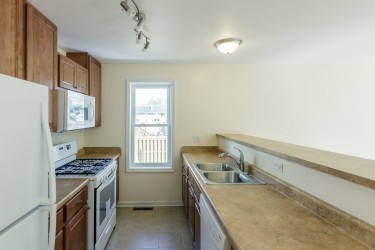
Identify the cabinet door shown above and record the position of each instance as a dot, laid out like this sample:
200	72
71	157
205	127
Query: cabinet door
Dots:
185	191
81	80
96	88
12	38
95	80
76	231
191	212
41	56
66	73
59	241
117	181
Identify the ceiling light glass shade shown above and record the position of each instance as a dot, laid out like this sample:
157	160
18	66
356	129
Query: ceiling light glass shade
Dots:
228	45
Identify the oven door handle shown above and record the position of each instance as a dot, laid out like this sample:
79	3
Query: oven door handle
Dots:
102	185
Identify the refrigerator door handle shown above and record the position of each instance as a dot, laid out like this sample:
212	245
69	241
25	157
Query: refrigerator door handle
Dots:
51	167
52	225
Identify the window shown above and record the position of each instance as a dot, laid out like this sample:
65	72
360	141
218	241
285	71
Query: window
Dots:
149	126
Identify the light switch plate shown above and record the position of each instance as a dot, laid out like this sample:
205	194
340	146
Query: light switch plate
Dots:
196	139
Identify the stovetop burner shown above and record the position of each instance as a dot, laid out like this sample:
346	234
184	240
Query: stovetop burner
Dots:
83	167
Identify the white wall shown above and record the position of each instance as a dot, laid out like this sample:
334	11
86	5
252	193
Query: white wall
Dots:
75	135
322	106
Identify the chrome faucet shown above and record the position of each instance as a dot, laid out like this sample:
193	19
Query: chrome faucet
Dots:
240	161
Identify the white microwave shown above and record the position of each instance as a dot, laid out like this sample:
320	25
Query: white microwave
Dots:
74	110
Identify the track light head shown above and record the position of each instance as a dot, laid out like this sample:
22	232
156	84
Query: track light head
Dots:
131	13
141	22
139	37
147	44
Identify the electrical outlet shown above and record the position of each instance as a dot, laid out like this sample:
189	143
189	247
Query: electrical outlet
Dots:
196	139
278	166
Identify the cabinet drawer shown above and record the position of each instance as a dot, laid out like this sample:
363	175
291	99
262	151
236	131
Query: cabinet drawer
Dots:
59	220
75	204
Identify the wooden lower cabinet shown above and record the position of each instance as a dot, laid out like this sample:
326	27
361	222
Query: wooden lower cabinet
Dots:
117	181
71	223
75	231
185	190
191	195
59	241
191	211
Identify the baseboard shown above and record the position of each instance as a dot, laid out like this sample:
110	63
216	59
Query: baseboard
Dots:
149	204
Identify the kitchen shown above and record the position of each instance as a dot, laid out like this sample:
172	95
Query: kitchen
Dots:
298	68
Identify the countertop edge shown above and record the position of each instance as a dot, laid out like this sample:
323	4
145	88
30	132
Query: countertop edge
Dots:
67	197
366	181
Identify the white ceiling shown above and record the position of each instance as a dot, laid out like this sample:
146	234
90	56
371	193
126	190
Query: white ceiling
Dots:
182	31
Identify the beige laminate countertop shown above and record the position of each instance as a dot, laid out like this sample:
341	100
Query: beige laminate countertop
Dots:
67	188
354	169
259	217
99	153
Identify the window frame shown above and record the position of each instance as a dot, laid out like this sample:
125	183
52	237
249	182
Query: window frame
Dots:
132	85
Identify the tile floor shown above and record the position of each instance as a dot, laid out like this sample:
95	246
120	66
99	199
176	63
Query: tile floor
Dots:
163	228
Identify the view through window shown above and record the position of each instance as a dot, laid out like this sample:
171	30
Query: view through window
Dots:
150	126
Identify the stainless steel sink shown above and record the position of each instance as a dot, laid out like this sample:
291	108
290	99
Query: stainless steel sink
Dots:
214	166
231	177
224	173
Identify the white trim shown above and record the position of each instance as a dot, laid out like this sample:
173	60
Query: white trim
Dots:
150	204
169	85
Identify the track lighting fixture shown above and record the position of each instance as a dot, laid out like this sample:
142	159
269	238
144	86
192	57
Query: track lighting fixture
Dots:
138	17
139	37
147	44
131	13
141	22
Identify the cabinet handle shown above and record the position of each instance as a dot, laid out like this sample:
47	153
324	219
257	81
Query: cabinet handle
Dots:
80	202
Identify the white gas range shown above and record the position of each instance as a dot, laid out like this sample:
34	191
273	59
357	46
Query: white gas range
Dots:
101	190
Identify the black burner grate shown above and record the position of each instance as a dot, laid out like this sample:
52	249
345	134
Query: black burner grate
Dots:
83	167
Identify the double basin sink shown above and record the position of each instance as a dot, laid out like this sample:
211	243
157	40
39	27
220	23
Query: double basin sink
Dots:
224	173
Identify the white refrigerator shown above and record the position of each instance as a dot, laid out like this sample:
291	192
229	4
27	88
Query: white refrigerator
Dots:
27	183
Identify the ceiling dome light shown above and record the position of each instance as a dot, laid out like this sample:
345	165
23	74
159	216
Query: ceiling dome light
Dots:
228	45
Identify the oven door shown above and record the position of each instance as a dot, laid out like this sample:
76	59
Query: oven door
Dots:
105	203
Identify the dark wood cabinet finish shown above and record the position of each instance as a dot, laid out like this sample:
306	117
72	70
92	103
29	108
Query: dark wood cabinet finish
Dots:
191	192
71	223
185	189
191	211
95	79
117	181
12	38
73	76
76	231
41	56
75	204
59	241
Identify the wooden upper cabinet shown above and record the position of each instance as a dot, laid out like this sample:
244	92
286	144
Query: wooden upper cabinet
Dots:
12	38
95	83
73	76
41	56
